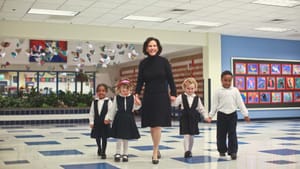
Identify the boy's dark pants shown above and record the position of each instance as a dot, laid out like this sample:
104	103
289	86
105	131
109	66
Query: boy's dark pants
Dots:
226	125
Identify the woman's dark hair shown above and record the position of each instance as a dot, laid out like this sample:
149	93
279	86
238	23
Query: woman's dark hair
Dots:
226	72
102	85
146	45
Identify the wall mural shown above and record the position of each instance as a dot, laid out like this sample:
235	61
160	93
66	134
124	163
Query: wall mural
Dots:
65	53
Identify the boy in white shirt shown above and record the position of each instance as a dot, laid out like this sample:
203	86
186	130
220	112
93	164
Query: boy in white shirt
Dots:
225	102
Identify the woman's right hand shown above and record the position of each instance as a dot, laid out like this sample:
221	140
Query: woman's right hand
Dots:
91	126
106	121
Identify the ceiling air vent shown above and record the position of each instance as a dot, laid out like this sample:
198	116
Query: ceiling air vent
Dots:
180	11
277	20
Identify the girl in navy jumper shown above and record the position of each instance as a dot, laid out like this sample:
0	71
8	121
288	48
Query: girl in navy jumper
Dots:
98	111
190	114
123	125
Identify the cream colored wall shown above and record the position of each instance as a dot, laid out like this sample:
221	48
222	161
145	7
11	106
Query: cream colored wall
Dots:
212	64
210	42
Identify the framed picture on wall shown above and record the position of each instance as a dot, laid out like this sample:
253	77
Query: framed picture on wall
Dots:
287	97
280	82
244	96
264	69
276	97
253	97
264	97
290	84
275	69
250	83
261	82
240	82
252	68
297	96
297	82
286	69
270	82
43	51
296	69
240	68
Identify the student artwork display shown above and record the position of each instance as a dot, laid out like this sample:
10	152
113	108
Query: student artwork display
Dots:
261	82
264	69
251	81
240	82
264	97
268	83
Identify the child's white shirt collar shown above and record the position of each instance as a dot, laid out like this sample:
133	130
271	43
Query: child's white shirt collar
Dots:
192	95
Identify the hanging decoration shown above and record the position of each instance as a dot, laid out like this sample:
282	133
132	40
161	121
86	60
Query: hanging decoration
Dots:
86	53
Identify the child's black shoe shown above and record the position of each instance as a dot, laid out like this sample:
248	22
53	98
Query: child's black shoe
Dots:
117	157
125	158
222	154
233	156
103	156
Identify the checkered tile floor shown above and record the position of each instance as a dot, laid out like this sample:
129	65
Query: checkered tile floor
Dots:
262	144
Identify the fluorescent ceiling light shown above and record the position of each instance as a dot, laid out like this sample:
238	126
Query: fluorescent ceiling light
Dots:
204	23
52	12
283	3
272	29
145	18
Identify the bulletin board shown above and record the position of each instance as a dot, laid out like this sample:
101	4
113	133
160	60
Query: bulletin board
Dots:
266	83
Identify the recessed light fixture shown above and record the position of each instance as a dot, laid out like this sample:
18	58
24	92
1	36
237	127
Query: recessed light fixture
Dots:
272	29
52	12
204	23
145	18
283	3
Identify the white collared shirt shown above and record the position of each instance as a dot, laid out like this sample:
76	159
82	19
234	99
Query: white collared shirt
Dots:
100	105
190	99
228	100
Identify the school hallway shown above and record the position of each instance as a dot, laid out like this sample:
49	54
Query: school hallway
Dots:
262	145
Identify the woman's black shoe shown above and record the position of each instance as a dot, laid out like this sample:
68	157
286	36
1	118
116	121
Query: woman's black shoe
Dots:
187	154
158	154
155	161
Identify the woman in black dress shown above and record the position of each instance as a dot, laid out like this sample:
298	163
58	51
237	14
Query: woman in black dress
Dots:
156	74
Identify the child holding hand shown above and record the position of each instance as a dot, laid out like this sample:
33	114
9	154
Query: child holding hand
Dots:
226	101
190	114
123	125
99	108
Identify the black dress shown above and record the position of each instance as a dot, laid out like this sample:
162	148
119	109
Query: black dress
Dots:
155	72
190	117
100	129
124	126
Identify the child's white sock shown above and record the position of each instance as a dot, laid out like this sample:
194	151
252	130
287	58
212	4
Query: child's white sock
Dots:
125	147
118	146
186	140
191	142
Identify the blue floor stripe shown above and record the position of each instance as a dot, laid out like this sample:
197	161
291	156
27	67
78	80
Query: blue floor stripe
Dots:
42	143
60	152
90	166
